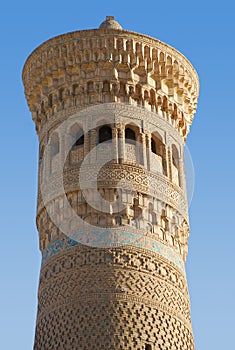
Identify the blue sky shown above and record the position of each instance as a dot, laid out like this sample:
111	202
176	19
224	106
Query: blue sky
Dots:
204	33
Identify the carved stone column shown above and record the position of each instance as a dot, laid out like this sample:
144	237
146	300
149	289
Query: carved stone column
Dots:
63	148
148	150
121	143
169	162
86	143
115	143
93	142
144	149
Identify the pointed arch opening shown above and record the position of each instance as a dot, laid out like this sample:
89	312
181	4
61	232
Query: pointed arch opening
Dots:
130	136
158	154
76	135
132	147
105	134
76	153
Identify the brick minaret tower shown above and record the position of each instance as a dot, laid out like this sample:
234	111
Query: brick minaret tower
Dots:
112	110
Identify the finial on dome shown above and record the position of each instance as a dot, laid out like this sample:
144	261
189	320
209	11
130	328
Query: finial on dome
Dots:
110	23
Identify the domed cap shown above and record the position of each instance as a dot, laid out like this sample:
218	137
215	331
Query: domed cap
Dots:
110	23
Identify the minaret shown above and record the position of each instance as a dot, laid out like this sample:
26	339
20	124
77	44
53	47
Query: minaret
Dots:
112	110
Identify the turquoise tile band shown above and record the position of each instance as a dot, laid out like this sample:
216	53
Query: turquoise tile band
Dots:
99	236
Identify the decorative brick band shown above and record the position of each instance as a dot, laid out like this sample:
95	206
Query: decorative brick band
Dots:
141	242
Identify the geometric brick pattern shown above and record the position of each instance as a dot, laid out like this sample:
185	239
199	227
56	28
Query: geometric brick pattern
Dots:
111	324
103	287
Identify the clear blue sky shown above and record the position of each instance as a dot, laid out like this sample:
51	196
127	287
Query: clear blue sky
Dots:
204	32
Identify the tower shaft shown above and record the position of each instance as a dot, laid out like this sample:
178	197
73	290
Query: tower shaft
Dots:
112	110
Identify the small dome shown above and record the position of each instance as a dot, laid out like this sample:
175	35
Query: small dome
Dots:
110	23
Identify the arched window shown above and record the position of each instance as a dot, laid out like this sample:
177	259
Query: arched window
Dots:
153	146
157	145
165	104
76	142
129	136
158	158
79	140
105	134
